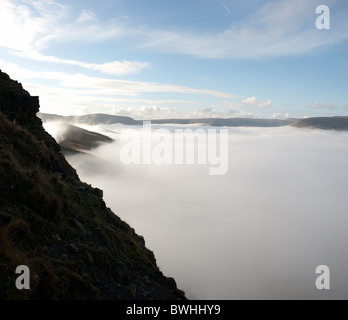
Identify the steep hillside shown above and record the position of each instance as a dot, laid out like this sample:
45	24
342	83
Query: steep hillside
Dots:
75	247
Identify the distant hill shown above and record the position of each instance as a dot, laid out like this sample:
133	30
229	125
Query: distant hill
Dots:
326	123
46	117
77	139
75	247
232	122
97	119
90	119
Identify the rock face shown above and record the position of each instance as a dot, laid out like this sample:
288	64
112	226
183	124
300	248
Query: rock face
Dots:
58	226
16	103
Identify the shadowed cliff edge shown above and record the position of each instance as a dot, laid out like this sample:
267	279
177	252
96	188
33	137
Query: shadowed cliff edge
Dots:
58	226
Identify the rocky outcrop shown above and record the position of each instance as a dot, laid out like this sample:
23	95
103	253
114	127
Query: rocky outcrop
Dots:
16	104
58	226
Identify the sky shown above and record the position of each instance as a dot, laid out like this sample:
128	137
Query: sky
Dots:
178	59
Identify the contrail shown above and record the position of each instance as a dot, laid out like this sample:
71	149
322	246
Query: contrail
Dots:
223	4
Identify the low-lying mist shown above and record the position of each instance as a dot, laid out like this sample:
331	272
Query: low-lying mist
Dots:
258	232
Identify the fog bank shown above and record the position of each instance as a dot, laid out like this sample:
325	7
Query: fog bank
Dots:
258	232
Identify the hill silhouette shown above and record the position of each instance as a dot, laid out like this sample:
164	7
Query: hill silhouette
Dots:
77	140
325	123
105	119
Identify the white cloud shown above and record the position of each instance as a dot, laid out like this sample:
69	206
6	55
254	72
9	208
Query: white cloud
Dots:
87	16
254	102
106	86
251	102
77	91
26	25
118	68
279	115
156	112
279	28
132	88
35	24
40	22
145	112
318	106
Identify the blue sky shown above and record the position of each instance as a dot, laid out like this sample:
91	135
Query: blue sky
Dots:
178	59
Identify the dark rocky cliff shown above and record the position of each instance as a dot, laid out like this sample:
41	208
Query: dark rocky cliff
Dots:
74	246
